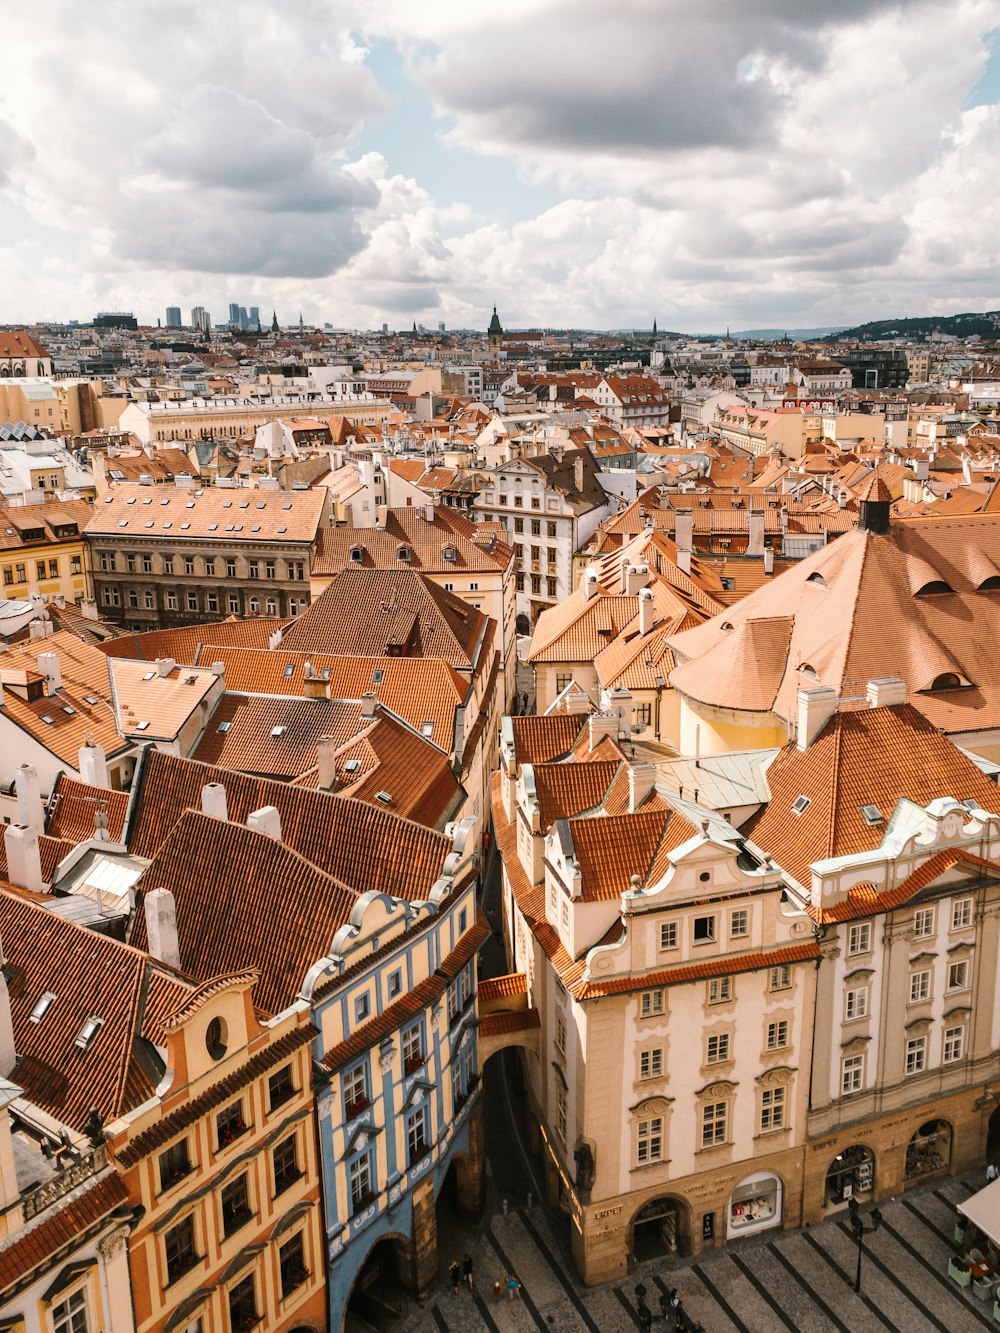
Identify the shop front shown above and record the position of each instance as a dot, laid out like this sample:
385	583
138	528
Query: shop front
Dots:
754	1205
851	1175
929	1150
658	1229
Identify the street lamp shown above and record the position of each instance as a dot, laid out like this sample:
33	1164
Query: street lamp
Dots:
860	1231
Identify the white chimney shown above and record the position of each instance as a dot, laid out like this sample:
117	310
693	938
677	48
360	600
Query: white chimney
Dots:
8	1053
266	820
93	764
684	561
161	926
429	513
645	611
368	703
325	763
768	560
816	707
755	545
24	857
218	668
48	665
641	781
886	692
684	528
213	801
164	666
636	577
590	585
600	725
30	809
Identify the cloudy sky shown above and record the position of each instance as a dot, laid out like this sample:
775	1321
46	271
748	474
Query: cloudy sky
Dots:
704	162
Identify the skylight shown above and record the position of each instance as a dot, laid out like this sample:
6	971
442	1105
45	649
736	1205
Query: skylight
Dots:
351	765
289	670
49	721
427	728
800	803
41	1006
224	727
141	726
377	677
67	710
90	699
278	731
89	1031
150	675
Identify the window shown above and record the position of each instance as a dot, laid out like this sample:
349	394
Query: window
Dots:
413	1047
954	1042
704	929
923	922
280	1087
192	601
171	601
111	597
958	976
560	1037
518	524
739	923
714	1117
453	1006
235	1205
270	569
40	568
668	935
179	1246
720	989
916	1054
777	1035
552	590
856	1004
292	1265
168	564
355	1091
650	1003
859	938
147	564
643	715
562	1100
133	597
286	1167
536	530
718	1049
234	605
253	569
212	601
70	1315
550	529
106	558
243	1306
230	569
147	601
852	1069
230	1124
649	1143
175	1164
781	977
920	986
130	564
395	983
360	1176
651	1063
961	914
74	565
361	1008
772	1109
536	552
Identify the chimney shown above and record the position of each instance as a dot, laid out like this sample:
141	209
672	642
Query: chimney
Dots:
886	692
599	726
24	858
368	704
30	809
816	707
161	926
325	774
266	820
213	801
684	528
768	560
578	471
93	763
641	781
48	665
8	1054
636	577
164	666
755	545
684	561
645	611
429	513
218	668
590	585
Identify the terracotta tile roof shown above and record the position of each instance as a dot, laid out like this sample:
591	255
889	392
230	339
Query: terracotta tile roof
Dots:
423	541
289	911
179	1118
876	489
15	343
606	748
756	654
865	899
371	611
204	514
538	739
360	845
611	849
872	756
503	988
577	630
74	804
400	763
72	721
183	644
83	666
728	965
60	1226
499	1025
164	703
241	733
564	790
93	976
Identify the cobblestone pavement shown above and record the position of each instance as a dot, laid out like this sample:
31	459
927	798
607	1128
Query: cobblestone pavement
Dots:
797	1280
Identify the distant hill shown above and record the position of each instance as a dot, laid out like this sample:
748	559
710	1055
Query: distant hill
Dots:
796	335
986	325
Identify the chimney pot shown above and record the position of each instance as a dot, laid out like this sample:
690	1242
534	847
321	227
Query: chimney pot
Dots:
266	820
885	692
160	911
213	801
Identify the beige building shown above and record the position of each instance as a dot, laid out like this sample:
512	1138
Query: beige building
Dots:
197	419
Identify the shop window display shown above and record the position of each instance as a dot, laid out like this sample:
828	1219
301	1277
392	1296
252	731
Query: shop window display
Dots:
851	1175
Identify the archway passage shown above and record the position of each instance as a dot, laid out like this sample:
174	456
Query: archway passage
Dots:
378	1299
658	1228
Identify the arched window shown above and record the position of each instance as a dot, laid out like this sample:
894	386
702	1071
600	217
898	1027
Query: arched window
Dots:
992	584
817	579
948	680
934	588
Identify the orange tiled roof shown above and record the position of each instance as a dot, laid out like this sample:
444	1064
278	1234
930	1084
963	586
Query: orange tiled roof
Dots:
564	790
539	738
182	644
611	849
275	738
503	988
727	965
74	805
211	513
497	1025
399	763
60	1227
865	899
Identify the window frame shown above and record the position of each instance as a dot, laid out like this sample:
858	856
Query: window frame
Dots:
961	913
915	1055
717	1048
715	1123
289	1173
772	1108
652	1003
669	936
649	1140
777	1034
720	990
859	938
651	1063
185	1247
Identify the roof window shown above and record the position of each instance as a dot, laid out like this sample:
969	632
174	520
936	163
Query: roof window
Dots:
377	676
287	505
934	588
213	527
255	527
41	1006
872	815
948	680
384	796
224	727
992	584
427	729
261	504
357	555
141	726
150	675
800	804
278	731
89	1031
49	721
67	710
90	699
817	579
282	529
352	765
289	671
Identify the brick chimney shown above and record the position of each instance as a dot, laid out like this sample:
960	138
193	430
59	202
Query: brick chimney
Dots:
641	781
684	528
886	691
645	611
325	763
30	809
93	763
755	546
590	585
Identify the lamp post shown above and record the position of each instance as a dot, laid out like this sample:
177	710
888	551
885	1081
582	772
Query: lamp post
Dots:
860	1231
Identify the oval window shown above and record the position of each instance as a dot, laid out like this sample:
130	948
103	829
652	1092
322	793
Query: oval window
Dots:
215	1038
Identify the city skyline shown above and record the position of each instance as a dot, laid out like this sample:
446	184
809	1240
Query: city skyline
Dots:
702	165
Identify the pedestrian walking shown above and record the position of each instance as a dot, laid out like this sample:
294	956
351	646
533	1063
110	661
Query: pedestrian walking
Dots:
497	1289
991	1172
513	1288
455	1273
467	1270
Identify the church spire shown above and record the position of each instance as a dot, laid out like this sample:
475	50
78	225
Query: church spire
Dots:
274	322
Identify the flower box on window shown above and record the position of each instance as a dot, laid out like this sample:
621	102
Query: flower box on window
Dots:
231	1133
413	1063
355	1108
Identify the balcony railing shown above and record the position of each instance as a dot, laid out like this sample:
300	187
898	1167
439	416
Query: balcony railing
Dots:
49	1191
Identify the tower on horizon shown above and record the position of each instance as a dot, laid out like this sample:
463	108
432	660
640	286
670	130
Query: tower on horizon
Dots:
494	336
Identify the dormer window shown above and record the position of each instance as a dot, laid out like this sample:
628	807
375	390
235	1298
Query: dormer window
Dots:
357	555
403	553
817	580
992	584
89	1031
934	588
948	680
